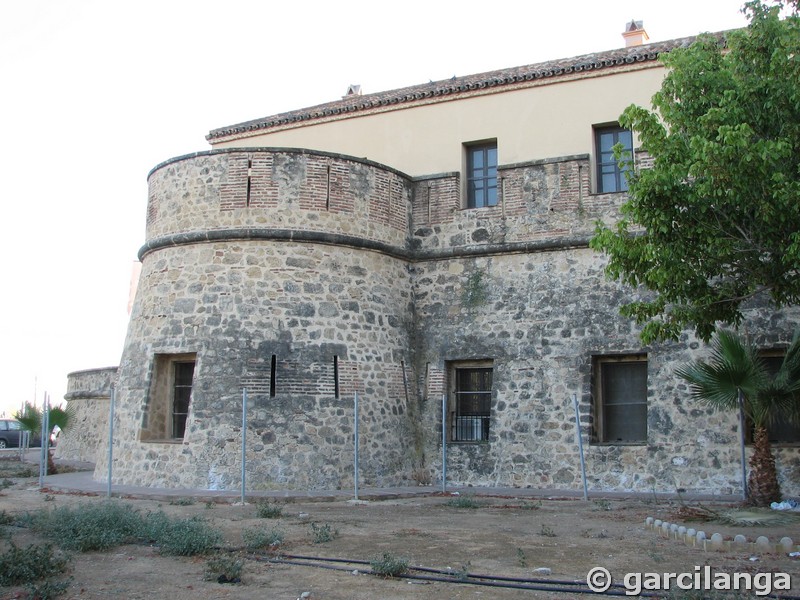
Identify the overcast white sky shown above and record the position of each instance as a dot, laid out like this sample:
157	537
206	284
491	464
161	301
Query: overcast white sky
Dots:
93	94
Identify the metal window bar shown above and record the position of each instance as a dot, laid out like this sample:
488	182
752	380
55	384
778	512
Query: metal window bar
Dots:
470	421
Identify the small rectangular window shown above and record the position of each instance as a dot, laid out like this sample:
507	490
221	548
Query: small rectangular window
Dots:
336	377
169	398
610	177
471	401
273	376
482	175
182	393
620	389
782	430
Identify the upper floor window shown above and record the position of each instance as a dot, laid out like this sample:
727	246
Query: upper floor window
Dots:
620	394
610	177
482	175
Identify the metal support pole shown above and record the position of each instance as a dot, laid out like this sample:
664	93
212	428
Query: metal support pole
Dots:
444	443
113	400
580	445
244	438
355	446
741	444
44	441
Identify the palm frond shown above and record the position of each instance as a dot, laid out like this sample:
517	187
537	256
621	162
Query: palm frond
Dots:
734	365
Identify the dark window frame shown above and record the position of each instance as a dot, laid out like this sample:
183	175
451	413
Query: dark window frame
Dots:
181	396
471	385
609	176
605	406
481	177
169	398
773	359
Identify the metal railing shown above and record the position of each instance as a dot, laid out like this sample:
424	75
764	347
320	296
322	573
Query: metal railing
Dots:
472	428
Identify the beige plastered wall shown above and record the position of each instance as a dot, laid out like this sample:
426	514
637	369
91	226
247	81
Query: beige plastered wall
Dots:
551	118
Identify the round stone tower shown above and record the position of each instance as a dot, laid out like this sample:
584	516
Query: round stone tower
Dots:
282	272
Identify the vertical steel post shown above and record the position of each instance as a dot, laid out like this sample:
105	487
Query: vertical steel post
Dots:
741	444
580	445
355	446
244	438
44	441
444	443
111	438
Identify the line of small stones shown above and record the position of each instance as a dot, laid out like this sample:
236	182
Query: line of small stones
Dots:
697	539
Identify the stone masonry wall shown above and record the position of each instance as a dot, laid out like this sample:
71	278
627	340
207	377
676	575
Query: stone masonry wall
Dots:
301	274
292	317
88	396
517	285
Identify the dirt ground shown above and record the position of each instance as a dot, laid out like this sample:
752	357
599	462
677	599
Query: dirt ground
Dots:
508	537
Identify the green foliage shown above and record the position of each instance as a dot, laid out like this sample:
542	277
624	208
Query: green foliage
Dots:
256	539
89	526
224	568
100	526
266	510
21	566
46	590
389	566
547	531
182	502
735	365
323	533
187	537
735	369
716	220
522	560
31	417
466	501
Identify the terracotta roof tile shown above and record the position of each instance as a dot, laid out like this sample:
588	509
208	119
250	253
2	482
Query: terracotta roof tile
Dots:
458	86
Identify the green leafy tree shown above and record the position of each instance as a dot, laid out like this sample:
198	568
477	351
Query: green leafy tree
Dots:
733	368
31	419
716	221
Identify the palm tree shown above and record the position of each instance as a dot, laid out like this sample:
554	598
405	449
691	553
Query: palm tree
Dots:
31	419
736	371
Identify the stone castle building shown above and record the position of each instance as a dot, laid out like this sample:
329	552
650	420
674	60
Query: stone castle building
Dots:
408	245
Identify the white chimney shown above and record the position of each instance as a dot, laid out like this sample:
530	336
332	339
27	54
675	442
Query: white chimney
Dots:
634	34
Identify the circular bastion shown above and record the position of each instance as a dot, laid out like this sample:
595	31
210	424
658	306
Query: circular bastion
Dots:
280	272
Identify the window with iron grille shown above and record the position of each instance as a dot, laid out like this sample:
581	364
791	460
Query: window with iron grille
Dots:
169	397
610	177
482	175
620	399
782	430
181	394
470	412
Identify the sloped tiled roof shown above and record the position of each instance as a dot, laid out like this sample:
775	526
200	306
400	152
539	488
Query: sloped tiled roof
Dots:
457	86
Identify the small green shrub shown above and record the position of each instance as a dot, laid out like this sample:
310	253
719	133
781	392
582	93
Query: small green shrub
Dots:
182	502
5	518
389	566
547	531
266	510
224	568
256	539
89	526
463	502
323	533
21	566
522	560
602	504
47	590
6	483
187	537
